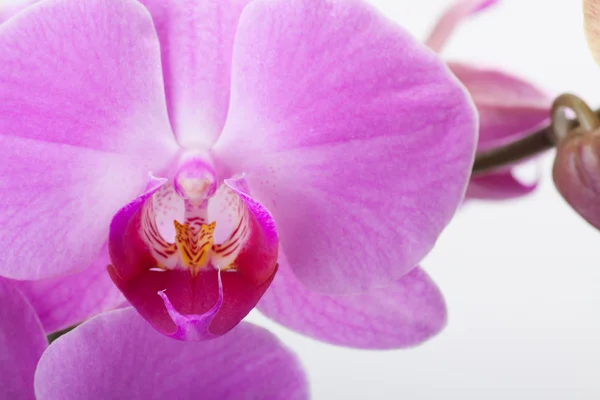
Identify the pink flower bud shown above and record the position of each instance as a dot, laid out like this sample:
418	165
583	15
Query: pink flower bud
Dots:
577	173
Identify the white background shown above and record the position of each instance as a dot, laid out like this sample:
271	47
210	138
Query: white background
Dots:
521	278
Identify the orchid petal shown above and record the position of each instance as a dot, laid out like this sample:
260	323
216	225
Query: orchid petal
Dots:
66	301
196	40
22	342
509	107
403	314
359	142
175	302
591	23
452	18
501	185
83	120
116	355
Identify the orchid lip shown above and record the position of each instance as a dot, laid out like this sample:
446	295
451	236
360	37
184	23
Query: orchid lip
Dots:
185	323
213	270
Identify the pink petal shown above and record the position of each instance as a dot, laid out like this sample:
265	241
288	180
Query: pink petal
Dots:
192	308
403	314
452	18
82	122
196	40
357	141
9	8
22	342
116	355
509	107
70	299
501	185
591	21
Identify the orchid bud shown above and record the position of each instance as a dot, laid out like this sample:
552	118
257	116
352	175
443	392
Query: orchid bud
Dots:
577	165
577	173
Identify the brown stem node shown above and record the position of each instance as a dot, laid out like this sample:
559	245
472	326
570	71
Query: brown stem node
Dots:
562	126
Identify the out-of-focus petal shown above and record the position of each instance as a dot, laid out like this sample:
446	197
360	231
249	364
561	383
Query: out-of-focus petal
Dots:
68	300
452	18
359	141
82	121
9	8
192	307
509	107
117	355
403	314
22	342
591	23
196	39
577	174
503	185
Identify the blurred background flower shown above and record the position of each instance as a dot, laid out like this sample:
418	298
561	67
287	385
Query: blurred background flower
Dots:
509	107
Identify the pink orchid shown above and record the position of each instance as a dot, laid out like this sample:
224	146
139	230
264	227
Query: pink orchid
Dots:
116	355
309	137
509	107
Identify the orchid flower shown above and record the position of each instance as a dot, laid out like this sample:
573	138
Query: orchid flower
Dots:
509	107
116	355
223	141
576	170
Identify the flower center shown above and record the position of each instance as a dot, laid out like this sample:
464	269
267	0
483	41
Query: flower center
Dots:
193	198
195	181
